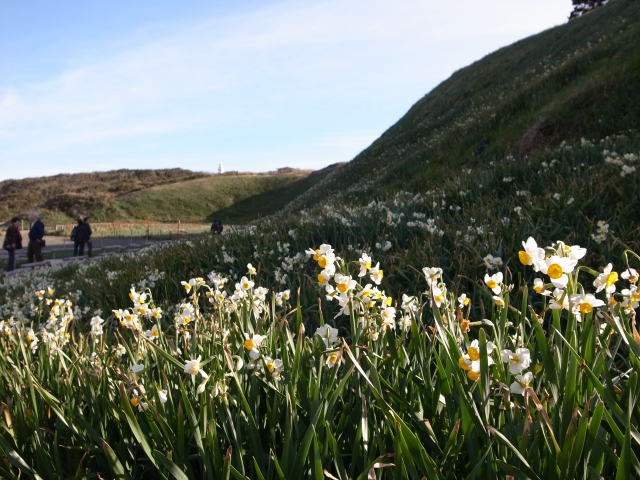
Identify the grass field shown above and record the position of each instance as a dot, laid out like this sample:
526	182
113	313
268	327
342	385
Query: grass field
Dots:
480	324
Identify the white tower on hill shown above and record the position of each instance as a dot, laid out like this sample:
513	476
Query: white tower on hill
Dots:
220	169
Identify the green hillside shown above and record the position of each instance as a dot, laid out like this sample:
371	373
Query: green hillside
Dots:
156	195
581	79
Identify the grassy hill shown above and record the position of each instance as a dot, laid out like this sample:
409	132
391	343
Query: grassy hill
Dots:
581	79
156	195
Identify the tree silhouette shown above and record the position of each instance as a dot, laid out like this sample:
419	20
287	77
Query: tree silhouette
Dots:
580	7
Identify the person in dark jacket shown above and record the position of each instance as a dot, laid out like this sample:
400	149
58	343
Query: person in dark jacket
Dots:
12	242
89	244
80	236
36	238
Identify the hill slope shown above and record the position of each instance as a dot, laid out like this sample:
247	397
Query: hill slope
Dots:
581	79
156	195
230	198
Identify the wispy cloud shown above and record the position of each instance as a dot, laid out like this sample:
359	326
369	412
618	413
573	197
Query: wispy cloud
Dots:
274	82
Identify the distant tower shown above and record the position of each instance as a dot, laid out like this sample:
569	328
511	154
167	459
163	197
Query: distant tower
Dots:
220	169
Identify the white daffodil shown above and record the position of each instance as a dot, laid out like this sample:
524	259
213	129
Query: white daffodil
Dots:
388	318
470	361
557	268
631	275
333	359
574	252
152	334
584	304
245	284
432	275
631	298
162	395
192	367
251	269
499	301
376	274
488	261
325	275
559	301
437	295
365	264
409	304
251	343
540	287
344	283
136	401
493	282
518	360
188	285
522	382
96	324
275	367
532	254
463	300
606	280
329	335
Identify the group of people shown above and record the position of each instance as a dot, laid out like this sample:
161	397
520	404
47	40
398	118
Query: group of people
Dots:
13	240
81	236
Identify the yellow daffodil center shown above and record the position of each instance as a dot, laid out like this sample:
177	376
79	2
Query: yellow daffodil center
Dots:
134	401
388	302
555	271
29	338
539	288
316	255
473	375
131	296
187	287
155	332
492	283
270	366
466	302
525	258
321	278
366	293
585	308
463	364
248	344
368	265
439	299
245	285
333	358
322	262
380	273
515	359
342	287
474	353
612	278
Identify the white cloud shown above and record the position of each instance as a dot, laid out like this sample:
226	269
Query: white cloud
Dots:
311	73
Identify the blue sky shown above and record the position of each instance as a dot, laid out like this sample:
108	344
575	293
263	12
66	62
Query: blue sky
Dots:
256	85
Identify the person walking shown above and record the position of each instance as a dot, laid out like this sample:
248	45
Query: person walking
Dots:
89	232
80	238
12	242
36	237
